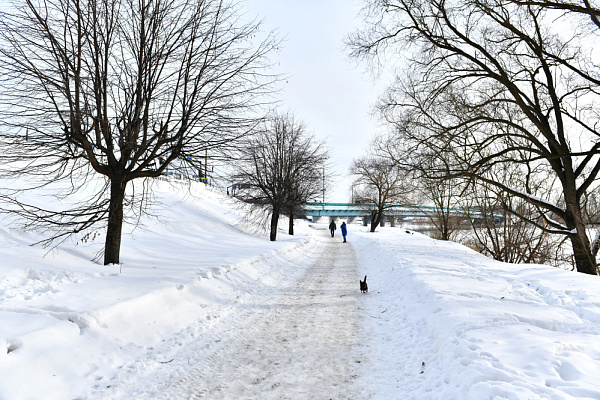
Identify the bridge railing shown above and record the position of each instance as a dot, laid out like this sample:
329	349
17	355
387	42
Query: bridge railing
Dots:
360	209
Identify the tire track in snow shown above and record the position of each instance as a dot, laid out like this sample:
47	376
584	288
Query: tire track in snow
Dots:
297	342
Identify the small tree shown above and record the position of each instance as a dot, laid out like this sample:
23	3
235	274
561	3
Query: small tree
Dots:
506	236
381	184
305	187
281	164
437	193
121	89
446	214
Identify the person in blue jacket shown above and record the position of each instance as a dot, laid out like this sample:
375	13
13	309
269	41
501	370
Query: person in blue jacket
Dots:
344	231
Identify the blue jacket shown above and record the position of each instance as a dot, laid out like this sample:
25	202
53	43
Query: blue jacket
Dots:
343	227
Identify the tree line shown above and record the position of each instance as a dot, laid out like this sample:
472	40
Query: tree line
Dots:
494	102
493	108
121	90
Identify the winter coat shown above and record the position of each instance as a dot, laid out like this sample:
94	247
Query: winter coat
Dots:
332	226
343	228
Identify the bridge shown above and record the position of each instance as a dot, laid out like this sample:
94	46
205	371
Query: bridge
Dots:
327	211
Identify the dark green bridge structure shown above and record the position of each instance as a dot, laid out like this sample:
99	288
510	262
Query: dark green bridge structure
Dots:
324	212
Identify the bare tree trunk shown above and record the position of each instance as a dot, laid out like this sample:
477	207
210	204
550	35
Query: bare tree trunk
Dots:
112	247
445	228
582	251
291	226
596	243
376	220
274	221
584	260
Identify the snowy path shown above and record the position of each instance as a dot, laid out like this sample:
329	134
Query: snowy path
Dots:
296	341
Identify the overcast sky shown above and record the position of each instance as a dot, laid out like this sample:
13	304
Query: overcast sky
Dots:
326	90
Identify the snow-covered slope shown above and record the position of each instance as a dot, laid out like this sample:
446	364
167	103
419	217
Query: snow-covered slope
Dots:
457	325
439	321
68	324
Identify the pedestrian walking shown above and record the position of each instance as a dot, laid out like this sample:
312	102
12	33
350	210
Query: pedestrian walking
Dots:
332	227
344	231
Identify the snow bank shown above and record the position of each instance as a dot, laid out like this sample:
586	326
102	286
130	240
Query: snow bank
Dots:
439	322
458	325
70	325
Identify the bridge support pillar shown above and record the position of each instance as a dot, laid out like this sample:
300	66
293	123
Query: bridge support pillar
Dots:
392	222
315	219
366	221
351	219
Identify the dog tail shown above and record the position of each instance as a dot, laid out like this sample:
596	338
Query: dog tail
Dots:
365	279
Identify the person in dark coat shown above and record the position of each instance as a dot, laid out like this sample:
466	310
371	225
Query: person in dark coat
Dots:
344	231
332	227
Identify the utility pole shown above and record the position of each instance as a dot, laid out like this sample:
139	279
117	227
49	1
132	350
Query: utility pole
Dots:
323	203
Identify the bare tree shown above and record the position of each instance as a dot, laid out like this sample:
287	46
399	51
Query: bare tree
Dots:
446	214
504	235
306	186
494	83
438	196
381	185
281	166
123	89
579	7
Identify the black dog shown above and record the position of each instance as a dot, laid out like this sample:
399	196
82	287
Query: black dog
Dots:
363	285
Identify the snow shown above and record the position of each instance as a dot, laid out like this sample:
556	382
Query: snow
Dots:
204	307
534	198
483	329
